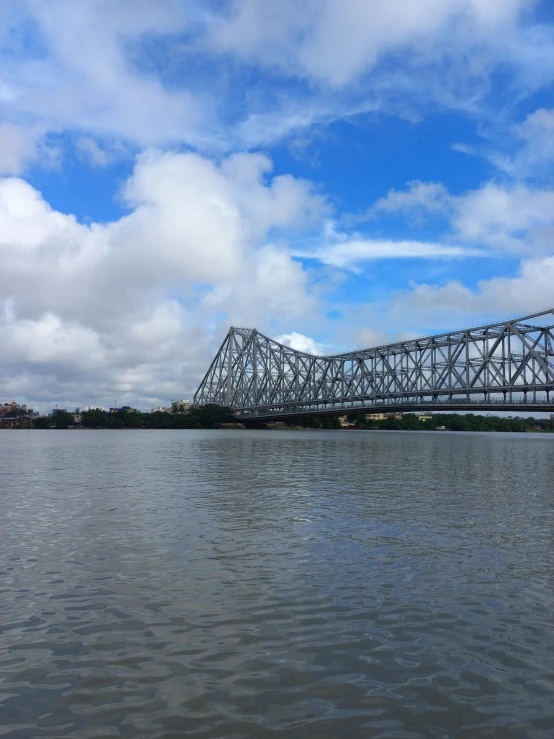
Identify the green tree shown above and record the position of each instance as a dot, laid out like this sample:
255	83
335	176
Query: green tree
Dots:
63	419
459	423
15	412
94	419
411	422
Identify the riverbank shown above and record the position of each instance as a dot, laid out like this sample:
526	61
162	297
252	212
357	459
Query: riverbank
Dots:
198	417
456	422
211	417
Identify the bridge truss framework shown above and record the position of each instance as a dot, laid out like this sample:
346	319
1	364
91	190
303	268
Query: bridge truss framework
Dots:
502	366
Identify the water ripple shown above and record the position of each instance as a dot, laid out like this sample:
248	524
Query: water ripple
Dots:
156	585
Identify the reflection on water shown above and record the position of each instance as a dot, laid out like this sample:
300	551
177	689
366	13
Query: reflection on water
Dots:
266	584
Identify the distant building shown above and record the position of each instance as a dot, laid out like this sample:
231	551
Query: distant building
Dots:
102	408
424	416
180	406
18	422
552	416
376	416
7	407
344	422
55	411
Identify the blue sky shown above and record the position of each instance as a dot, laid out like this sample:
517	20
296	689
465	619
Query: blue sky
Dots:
333	173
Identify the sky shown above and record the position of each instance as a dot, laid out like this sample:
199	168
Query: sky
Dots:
334	173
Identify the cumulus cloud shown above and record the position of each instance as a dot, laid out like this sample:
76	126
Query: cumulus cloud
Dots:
425	307
513	218
336	42
417	201
136	306
510	218
532	147
496	220
528	291
71	66
360	56
300	343
127	306
143	73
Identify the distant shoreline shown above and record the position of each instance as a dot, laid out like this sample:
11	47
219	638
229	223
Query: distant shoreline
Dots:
218	417
268	427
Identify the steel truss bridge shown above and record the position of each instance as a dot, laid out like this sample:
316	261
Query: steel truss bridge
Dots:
503	366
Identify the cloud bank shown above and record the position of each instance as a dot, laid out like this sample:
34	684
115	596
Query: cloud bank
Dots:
172	104
125	305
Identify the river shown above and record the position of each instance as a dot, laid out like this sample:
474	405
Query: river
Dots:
163	584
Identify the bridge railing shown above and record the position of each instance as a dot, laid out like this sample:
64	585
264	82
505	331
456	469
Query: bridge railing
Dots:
539	405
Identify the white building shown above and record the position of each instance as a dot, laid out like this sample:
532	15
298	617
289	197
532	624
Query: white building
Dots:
180	406
424	416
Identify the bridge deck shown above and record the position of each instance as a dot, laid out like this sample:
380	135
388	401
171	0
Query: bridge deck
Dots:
264	415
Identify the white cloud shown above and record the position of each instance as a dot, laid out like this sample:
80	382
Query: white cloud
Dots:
529	291
524	151
50	341
367	337
271	284
300	343
420	198
17	148
82	74
351	252
534	147
359	56
142	73
508	218
427	307
335	42
134	309
91	152
512	218
124	307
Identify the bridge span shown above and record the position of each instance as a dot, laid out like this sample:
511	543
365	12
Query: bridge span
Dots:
506	366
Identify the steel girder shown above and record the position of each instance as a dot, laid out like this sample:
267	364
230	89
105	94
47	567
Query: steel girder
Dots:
509	363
